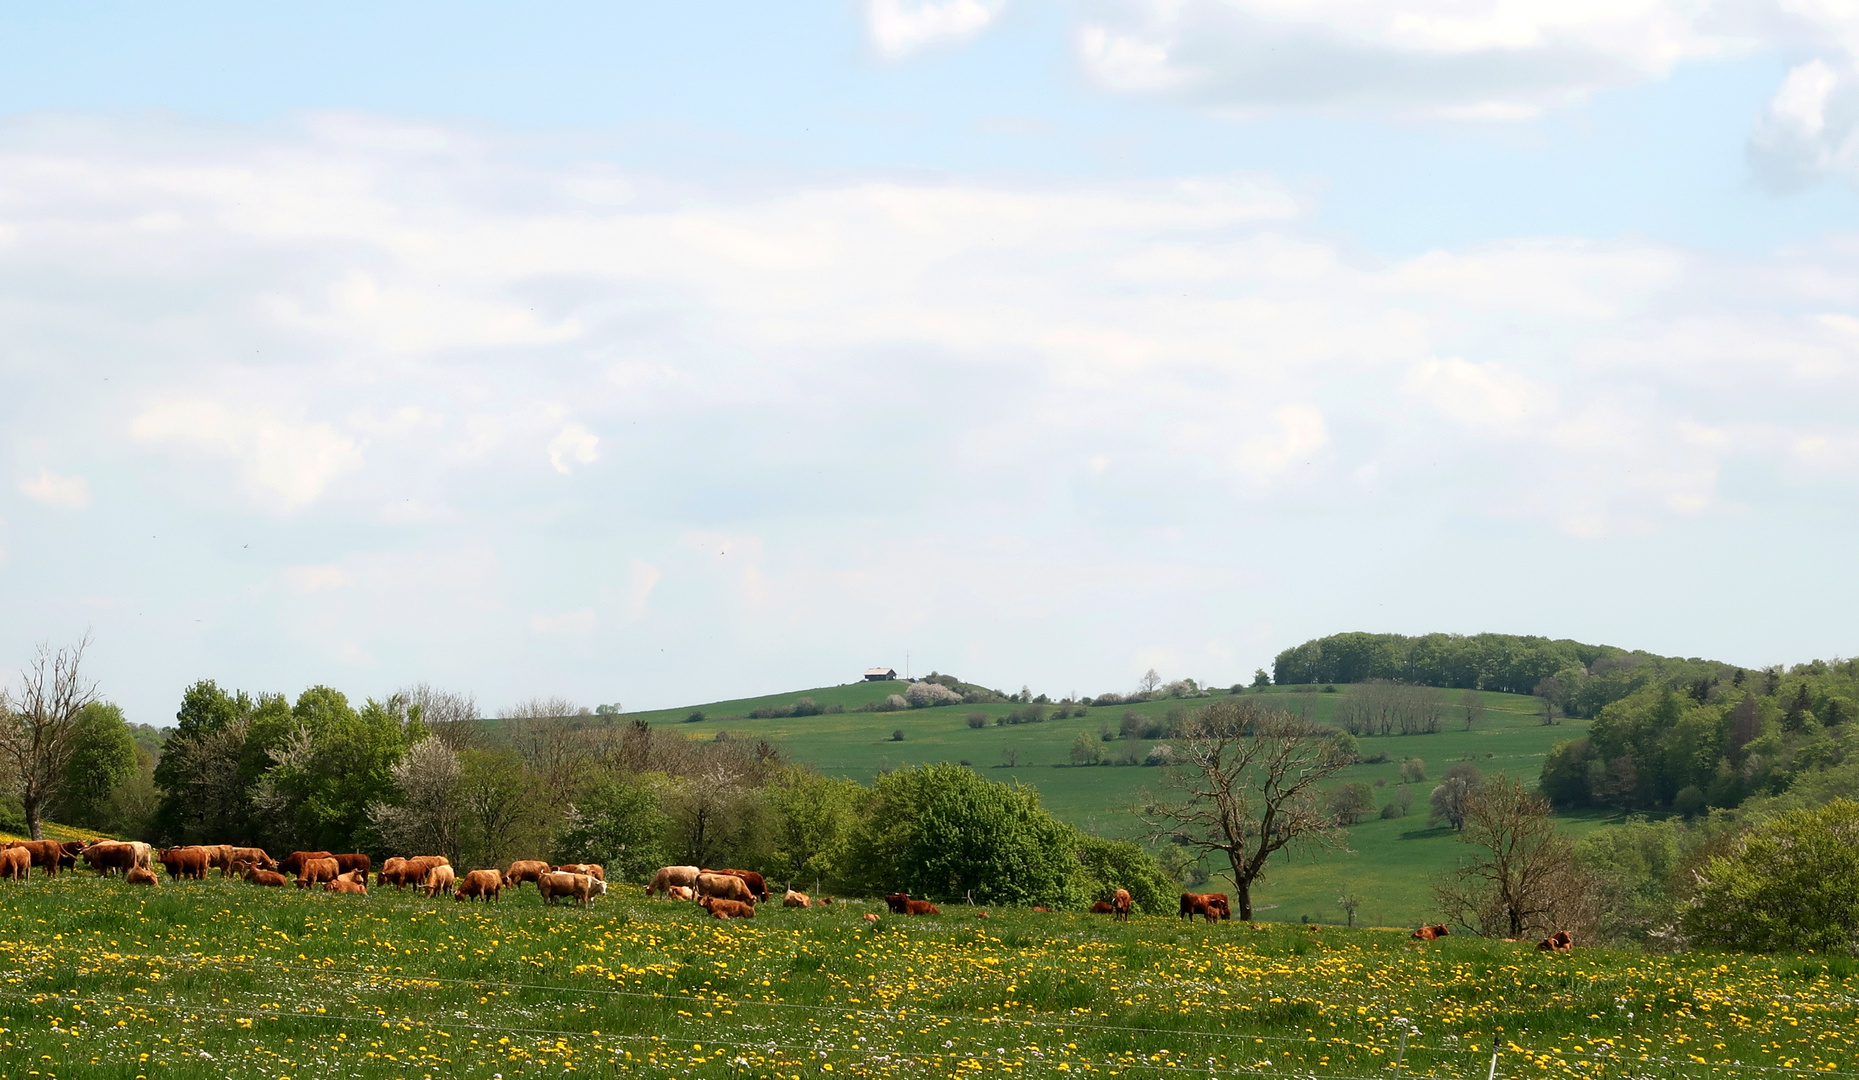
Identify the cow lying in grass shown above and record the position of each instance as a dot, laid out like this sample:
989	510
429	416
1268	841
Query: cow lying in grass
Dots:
1431	933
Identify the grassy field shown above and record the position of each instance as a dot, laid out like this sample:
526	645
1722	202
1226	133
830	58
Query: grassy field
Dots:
222	979
1388	864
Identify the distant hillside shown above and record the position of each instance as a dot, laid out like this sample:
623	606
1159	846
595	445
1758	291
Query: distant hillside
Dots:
1579	677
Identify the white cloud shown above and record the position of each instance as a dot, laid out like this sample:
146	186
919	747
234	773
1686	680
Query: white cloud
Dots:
311	579
644	577
1495	59
577	623
573	445
1296	433
284	464
901	27
1481	395
67	492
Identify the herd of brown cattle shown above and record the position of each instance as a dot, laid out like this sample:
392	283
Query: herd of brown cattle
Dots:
337	873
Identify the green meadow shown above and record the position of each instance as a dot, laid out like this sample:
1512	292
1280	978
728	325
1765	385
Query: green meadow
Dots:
218	979
1387	864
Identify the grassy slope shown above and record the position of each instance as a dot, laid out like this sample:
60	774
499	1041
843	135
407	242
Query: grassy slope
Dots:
220	979
1388	864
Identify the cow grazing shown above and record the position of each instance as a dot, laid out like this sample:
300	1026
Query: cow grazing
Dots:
142	875
45	854
555	885
758	887
439	879
355	861
1431	933
668	876
527	870
187	862
390	871
293	863
16	863
727	909
413	871
1202	904
270	879
1560	941
480	885
681	892
591	869
1122	903
727	886
312	871
109	856
254	855
1101	908
796	899
345	885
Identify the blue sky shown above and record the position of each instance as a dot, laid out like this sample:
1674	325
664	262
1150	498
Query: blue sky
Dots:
661	354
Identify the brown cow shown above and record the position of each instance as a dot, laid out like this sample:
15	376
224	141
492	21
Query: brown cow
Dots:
758	888
141	875
681	892
727	909
1431	933
293	863
345	885
390	871
480	885
413	871
355	861
354	877
109	856
45	854
727	886
186	862
591	869
1101	908
1201	904
921	907
869	917
311	871
1560	941
439	879
254	855
268	878
1122	903
896	901
555	884
16	863
668	876
796	899
525	870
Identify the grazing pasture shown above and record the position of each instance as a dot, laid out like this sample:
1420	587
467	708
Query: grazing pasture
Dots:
220	979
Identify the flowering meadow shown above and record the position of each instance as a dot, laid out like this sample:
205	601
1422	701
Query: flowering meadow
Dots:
221	979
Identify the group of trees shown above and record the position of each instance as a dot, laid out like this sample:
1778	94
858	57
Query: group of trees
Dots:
1578	678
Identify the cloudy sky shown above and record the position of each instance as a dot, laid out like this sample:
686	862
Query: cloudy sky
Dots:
662	353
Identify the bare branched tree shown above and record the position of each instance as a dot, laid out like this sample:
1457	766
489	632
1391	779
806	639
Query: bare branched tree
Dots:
1525	882
1245	785
427	819
450	715
38	725
1472	704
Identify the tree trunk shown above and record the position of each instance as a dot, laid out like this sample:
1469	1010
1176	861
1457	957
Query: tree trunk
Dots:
1242	893
36	828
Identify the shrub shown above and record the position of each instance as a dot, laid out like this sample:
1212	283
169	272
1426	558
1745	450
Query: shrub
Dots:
1390	811
924	694
617	824
898	735
833	710
977	719
895	702
1413	770
1109	865
696	717
1131	726
1352	802
1086	750
1160	754
1107	699
806	707
1788	885
1329	689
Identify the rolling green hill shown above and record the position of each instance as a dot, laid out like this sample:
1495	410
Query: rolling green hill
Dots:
1388	863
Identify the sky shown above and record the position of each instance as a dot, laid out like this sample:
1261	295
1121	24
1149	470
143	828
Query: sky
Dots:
659	354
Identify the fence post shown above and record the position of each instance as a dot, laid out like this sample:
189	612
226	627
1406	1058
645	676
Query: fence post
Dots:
1493	1074
1402	1052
